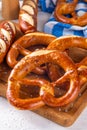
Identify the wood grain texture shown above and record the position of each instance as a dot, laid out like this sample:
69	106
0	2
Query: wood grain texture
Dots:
64	118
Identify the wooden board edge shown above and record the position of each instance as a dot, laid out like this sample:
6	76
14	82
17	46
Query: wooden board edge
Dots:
68	118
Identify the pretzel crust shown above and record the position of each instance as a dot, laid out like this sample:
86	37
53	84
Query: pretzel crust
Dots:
28	16
30	62
22	44
7	35
65	42
63	8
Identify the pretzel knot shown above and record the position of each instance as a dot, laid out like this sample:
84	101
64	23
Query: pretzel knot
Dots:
21	46
67	42
65	12
25	66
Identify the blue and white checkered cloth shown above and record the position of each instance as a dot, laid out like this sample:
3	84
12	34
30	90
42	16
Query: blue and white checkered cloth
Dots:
59	28
47	5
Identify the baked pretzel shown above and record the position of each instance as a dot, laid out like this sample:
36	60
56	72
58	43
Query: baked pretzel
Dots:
53	71
65	42
63	8
21	46
14	89
28	16
29	63
7	35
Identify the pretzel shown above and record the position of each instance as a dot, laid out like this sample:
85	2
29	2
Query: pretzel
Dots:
26	92
65	42
28	16
30	103
36	59
7	35
63	8
53	71
22	44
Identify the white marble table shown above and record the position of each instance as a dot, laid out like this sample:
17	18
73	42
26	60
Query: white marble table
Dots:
12	119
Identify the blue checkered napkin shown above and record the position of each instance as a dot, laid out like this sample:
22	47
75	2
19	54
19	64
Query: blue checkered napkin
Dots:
59	29
47	5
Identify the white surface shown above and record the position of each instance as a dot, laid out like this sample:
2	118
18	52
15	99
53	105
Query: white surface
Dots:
12	119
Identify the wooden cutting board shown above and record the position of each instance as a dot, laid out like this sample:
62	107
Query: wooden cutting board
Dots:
63	118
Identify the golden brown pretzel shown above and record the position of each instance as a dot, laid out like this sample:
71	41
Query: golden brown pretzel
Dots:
30	103
28	16
63	8
36	59
65	42
22	44
7	35
53	71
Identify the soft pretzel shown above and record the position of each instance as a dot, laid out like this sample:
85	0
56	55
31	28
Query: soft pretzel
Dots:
22	44
65	42
53	71
7	35
28	16
36	59
63	8
30	103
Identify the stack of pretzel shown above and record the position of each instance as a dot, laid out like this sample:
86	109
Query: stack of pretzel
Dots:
41	70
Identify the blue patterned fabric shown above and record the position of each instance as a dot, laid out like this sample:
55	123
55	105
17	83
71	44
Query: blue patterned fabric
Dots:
59	28
47	5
